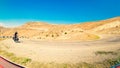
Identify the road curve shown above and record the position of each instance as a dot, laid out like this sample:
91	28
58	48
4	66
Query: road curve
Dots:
7	64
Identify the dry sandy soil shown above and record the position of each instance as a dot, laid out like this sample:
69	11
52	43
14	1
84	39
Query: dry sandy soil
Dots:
48	43
62	52
75	32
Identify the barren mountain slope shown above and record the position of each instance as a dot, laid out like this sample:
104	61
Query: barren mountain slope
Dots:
93	25
84	31
113	27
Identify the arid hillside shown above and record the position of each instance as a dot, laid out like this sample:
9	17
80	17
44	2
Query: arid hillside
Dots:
83	31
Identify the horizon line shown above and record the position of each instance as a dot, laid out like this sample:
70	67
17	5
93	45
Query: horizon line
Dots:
19	22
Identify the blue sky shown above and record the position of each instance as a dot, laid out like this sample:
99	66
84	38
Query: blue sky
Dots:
17	12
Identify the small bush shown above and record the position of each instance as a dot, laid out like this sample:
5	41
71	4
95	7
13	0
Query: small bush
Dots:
65	33
47	35
105	53
52	35
80	31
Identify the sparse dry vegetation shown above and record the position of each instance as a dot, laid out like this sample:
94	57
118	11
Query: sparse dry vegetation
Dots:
76	32
2	39
14	58
65	33
36	29
105	53
47	35
30	64
52	35
27	62
109	62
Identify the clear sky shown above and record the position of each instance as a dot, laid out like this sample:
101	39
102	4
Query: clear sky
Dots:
17	12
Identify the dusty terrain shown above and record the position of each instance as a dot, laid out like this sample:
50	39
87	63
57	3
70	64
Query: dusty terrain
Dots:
62	52
72	43
75	32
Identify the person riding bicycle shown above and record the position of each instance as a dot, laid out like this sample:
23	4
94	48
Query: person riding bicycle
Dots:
15	37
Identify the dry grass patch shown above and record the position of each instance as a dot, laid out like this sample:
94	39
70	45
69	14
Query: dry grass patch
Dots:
14	58
1	39
33	64
105	53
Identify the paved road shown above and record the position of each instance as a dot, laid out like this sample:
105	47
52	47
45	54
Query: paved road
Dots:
7	64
